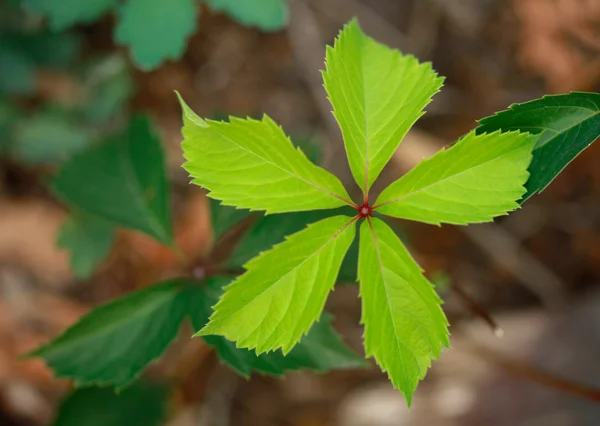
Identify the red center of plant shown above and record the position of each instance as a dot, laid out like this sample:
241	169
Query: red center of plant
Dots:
365	210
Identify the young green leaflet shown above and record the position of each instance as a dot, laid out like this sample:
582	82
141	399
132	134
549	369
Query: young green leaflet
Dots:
377	95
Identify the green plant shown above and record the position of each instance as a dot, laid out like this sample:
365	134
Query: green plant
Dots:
157	30
121	182
377	94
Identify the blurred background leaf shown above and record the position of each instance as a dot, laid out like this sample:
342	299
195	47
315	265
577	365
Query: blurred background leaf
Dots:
223	218
109	87
113	344
156	30
123	181
49	136
268	15
65	13
17	72
88	240
141	404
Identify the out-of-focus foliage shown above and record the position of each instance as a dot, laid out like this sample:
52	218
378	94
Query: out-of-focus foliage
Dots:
114	343
122	180
139	405
268	15
154	30
88	240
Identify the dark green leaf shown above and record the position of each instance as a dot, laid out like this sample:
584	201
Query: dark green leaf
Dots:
268	15
223	218
12	15
567	124
320	350
350	263
272	229
156	30
88	240
348	269
46	49
8	116
65	13
112	344
17	72
138	405
311	148
123	181
49	137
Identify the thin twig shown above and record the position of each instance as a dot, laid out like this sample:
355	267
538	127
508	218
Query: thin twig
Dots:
476	309
535	374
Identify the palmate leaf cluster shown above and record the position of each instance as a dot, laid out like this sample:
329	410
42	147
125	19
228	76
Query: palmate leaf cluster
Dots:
377	94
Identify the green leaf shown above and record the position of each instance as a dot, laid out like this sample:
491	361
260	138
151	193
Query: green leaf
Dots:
377	94
477	179
20	54
311	148
320	350
284	289
65	13
49	137
17	72
252	164
138	405
348	269
88	240
405	326
223	218
8	116
567	124
269	230
113	344
268	15
109	86
123	181
46	49
272	229
156	30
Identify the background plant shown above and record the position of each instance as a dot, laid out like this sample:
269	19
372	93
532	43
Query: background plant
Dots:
155	30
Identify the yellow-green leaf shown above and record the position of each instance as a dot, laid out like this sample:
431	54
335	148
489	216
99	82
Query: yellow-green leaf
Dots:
377	94
405	327
283	292
477	179
252	164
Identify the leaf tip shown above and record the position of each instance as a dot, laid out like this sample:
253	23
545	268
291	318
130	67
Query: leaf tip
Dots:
188	113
